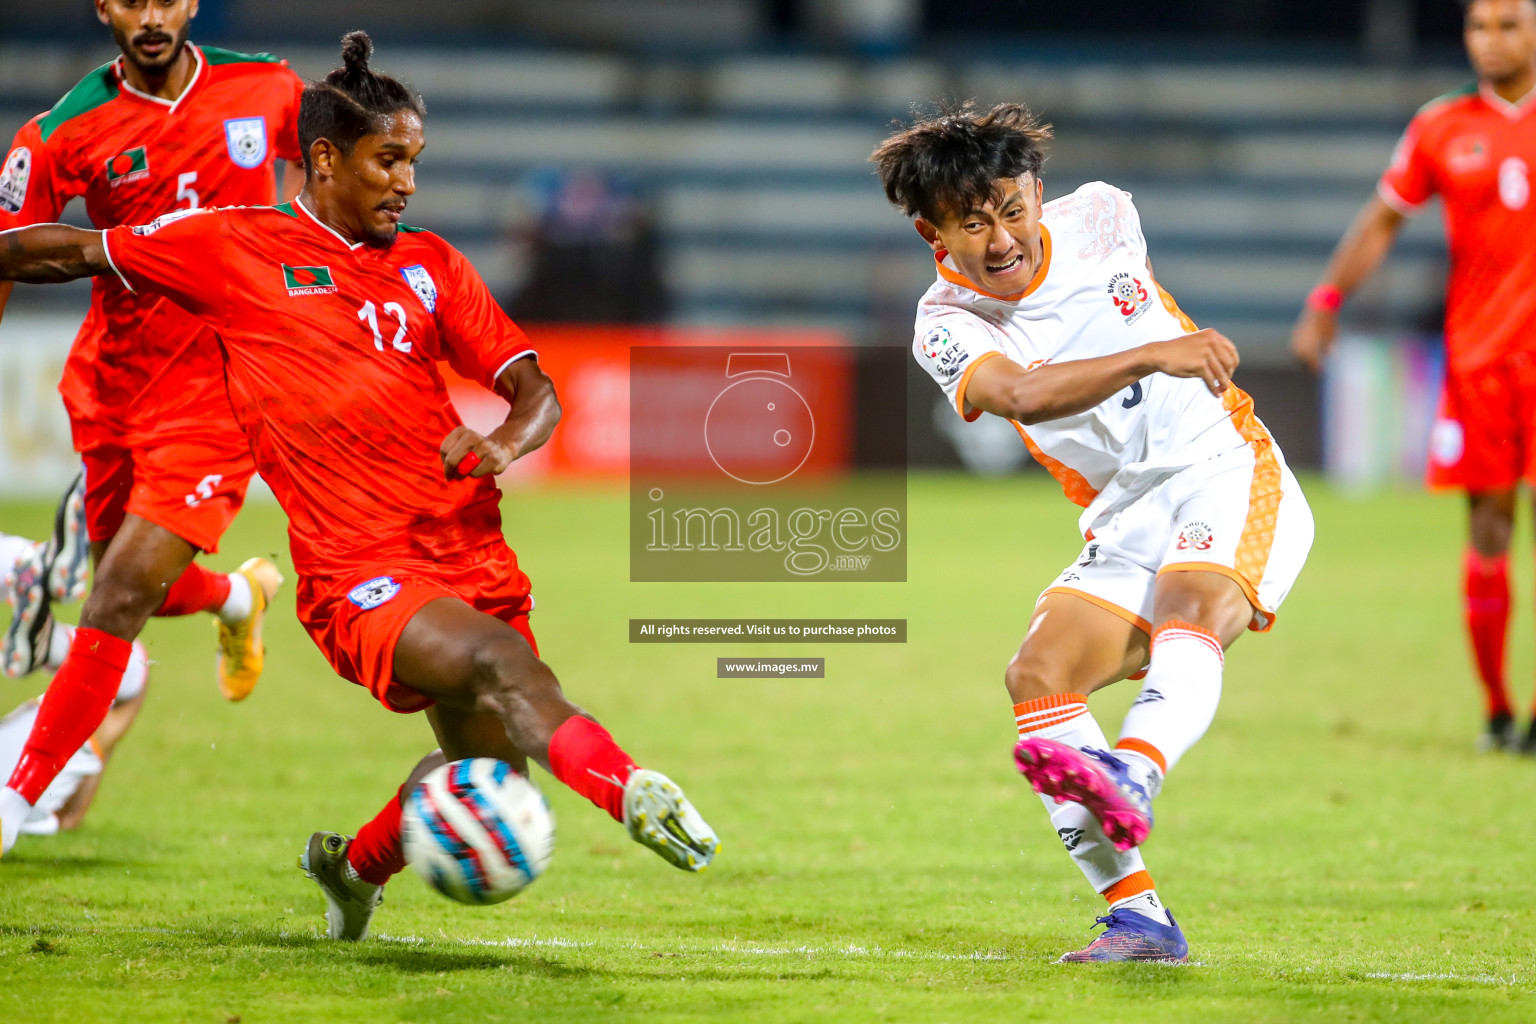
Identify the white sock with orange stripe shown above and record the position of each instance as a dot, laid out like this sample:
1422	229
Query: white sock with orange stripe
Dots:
1118	874
1177	703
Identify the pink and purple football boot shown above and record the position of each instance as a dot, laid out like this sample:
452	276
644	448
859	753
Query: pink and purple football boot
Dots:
1097	779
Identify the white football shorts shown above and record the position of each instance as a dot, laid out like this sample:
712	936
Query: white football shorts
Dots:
1240	514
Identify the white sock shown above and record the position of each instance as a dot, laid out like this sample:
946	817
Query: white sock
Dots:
1065	719
237	607
13	811
135	675
58	644
1146	904
1178	698
11	550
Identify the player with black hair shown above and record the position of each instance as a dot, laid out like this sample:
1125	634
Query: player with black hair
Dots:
1475	148
333	316
1047	314
166	126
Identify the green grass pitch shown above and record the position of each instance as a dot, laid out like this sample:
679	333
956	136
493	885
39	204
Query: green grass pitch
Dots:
1334	848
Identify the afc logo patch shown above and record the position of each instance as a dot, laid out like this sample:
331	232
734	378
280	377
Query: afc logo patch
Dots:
1130	296
1195	536
945	352
422	284
246	138
164	219
373	593
13	179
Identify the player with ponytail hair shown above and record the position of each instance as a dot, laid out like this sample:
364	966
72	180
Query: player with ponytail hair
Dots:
352	101
333	318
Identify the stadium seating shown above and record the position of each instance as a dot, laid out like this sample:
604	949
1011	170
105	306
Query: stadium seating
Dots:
756	165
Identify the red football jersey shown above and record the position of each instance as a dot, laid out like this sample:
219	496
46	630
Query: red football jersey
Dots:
1478	152
332	370
139	362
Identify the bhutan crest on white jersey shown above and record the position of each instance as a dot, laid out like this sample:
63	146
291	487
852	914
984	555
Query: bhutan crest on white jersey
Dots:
1195	536
1130	296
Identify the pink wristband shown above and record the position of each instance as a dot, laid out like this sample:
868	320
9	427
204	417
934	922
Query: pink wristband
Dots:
1326	298
467	464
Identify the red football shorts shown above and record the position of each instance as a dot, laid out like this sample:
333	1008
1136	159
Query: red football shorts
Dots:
1484	438
357	619
192	488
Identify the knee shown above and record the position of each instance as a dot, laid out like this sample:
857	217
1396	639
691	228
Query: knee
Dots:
1030	679
1492	523
120	606
502	672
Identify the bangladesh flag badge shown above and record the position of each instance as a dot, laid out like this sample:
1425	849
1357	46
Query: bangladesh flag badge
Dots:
308	280
129	166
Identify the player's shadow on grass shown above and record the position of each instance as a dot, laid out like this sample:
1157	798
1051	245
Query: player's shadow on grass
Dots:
1148	980
42	866
416	960
412	957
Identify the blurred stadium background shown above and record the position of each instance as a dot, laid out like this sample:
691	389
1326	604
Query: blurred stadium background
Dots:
707	160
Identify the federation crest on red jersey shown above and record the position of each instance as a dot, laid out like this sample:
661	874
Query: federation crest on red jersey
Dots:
373	593
422	284
246	138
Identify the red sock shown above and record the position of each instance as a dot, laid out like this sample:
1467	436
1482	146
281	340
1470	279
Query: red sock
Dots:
377	853
1485	591
583	756
75	704
195	590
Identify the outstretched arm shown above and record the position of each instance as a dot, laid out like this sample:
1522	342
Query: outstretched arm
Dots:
51	253
531	419
1356	258
1004	388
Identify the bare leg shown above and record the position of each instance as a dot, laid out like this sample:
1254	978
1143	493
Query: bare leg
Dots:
481	671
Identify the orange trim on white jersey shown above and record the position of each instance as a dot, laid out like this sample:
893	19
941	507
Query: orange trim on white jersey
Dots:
1173	308
1109	606
955	277
965	382
1258	537
97	748
1073	484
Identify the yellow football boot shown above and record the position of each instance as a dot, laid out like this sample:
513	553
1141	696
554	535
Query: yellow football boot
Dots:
241	654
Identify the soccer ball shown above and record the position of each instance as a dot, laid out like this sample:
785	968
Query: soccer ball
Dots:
477	831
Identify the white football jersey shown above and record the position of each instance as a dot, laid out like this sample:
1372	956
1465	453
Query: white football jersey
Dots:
1092	296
